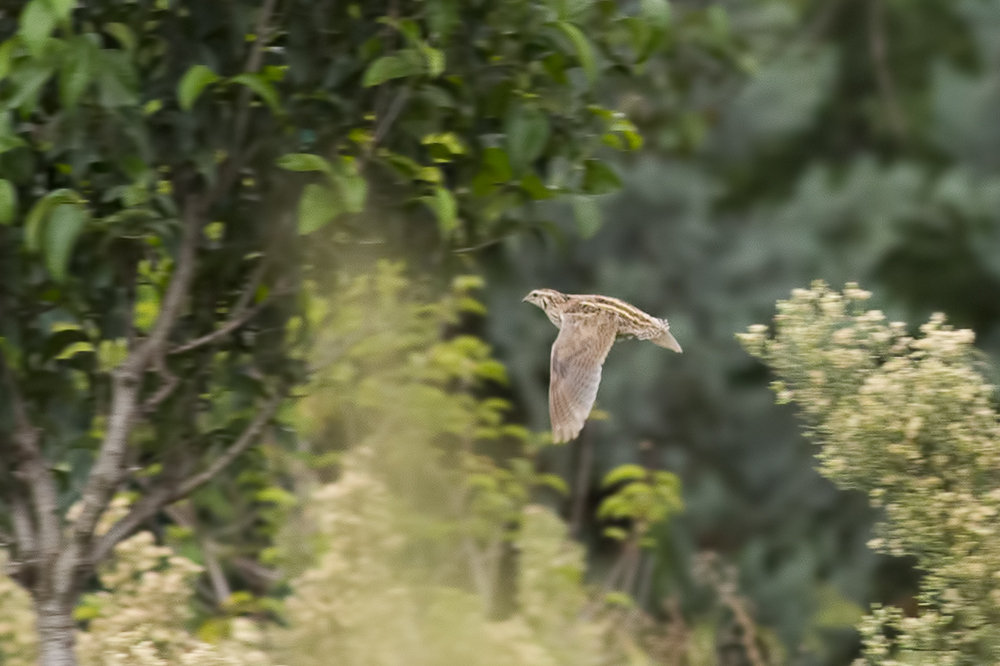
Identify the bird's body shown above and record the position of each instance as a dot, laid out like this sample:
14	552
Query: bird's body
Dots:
588	326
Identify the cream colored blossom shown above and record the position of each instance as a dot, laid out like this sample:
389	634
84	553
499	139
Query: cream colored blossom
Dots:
912	422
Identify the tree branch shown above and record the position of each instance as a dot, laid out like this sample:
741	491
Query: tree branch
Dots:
581	486
126	385
168	493
883	73
254	61
242	443
24	528
169	384
234	323
33	470
240	315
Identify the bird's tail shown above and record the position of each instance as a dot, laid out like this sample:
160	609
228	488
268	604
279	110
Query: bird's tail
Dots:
667	341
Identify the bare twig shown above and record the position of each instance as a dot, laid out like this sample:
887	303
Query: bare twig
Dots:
231	325
130	295
476	248
265	576
632	564
220	586
883	73
242	443
582	484
169	492
169	384
254	60
395	108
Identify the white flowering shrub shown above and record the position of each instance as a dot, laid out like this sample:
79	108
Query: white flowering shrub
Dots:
910	421
140	618
362	601
18	642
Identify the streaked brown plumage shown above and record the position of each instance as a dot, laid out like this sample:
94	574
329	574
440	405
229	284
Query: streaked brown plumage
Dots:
588	327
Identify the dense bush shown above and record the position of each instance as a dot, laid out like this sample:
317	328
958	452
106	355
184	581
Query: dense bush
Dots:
911	421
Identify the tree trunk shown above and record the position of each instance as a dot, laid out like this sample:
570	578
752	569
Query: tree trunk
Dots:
56	634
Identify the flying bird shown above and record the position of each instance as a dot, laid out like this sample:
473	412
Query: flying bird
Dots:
588	327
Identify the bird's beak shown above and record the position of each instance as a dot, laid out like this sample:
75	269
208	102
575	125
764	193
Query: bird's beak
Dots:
525	299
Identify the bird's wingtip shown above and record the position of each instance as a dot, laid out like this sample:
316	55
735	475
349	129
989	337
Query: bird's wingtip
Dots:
668	341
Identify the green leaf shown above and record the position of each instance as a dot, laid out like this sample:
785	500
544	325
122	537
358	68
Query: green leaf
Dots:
534	186
618	534
387	68
527	133
111	354
147	307
62	8
449	140
445	208
496	163
718	21
78	69
354	190
10	142
117	79
555	482
435	61
123	34
624	473
442	16
583	48
262	88
28	83
657	12
33	226
318	207
64	226
8	201
276	495
599	178
587	214
193	83
74	348
36	24
491	370
7	56
305	162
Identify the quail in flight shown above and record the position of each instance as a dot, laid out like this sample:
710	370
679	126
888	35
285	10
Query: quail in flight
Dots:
588	326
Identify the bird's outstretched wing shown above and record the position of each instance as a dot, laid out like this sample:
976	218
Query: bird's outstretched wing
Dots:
577	356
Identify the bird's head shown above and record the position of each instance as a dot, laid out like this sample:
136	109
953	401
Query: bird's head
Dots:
545	298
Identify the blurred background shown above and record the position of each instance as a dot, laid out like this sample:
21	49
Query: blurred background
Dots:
861	147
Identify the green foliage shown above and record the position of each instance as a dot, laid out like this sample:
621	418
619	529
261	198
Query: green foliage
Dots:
384	369
159	163
646	498
745	191
411	549
911	422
